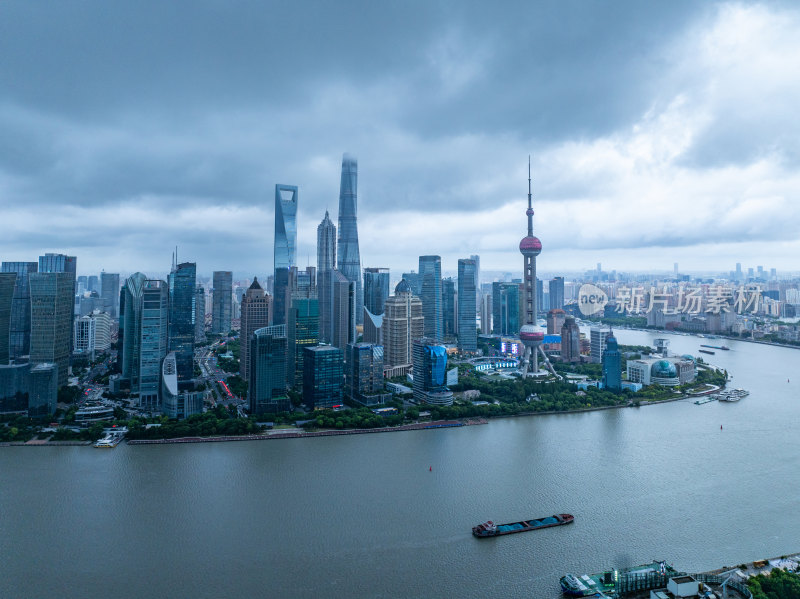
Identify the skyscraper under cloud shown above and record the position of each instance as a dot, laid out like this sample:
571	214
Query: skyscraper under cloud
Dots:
467	327
430	272
349	258
182	286
221	301
20	327
285	248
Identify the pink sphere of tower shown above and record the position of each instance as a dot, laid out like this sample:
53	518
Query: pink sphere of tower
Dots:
530	246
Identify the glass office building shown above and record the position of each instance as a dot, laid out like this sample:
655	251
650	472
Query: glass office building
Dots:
182	285
467	310
20	323
349	257
430	273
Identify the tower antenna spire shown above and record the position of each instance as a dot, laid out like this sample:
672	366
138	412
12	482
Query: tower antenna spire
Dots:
530	200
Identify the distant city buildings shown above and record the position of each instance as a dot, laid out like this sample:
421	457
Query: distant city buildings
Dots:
109	292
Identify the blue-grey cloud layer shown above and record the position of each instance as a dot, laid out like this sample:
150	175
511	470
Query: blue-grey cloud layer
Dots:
112	112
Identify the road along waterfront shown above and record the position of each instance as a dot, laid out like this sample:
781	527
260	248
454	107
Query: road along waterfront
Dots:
391	515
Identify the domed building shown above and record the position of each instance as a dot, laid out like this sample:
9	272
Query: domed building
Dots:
668	372
663	372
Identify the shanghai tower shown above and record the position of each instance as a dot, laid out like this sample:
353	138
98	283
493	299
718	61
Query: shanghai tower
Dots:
348	258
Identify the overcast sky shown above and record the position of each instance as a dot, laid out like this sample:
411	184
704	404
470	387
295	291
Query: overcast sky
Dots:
660	132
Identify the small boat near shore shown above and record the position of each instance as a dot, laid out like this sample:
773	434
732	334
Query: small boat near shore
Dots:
111	438
706	351
490	529
733	395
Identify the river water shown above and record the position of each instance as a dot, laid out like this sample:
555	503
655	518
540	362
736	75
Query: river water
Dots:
365	516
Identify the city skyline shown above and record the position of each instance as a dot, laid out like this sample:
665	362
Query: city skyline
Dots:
669	129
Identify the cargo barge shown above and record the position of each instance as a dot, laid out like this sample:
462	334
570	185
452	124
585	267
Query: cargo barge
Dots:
490	529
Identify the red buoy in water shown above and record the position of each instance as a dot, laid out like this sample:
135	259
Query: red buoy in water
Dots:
720	427
430	469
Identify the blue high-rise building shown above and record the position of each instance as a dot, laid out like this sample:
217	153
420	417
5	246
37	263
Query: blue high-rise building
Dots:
612	364
505	308
323	376
221	301
182	286
430	273
448	308
376	292
285	225
20	326
52	313
286	197
349	258
467	310
267	373
303	331
430	373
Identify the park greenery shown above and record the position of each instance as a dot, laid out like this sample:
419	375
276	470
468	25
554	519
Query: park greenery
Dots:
219	421
779	584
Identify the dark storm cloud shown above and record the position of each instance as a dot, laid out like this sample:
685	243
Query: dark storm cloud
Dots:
194	110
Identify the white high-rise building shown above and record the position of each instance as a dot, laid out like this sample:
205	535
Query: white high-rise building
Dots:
93	333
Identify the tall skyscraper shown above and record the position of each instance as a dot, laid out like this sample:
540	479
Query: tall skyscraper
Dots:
154	341
326	264
326	244
467	327
109	291
486	313
556	287
8	282
403	322
477	260
182	288
222	299
530	247
286	198
62	263
323	369
430	373
256	314
570	340
144	330
415	281
20	325
449	301
199	314
303	332
505	308
597	338
267	371
430	271
612	364
344	311
175	403
52	312
364	373
349	258
92	333
285	225
376	292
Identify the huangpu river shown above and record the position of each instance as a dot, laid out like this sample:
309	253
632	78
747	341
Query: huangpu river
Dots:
390	515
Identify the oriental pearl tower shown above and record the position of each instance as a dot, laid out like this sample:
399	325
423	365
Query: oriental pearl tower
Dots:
530	247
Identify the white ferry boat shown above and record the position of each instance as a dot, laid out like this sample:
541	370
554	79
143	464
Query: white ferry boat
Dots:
733	395
111	438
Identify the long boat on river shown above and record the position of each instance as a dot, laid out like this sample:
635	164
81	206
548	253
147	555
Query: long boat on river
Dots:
490	529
